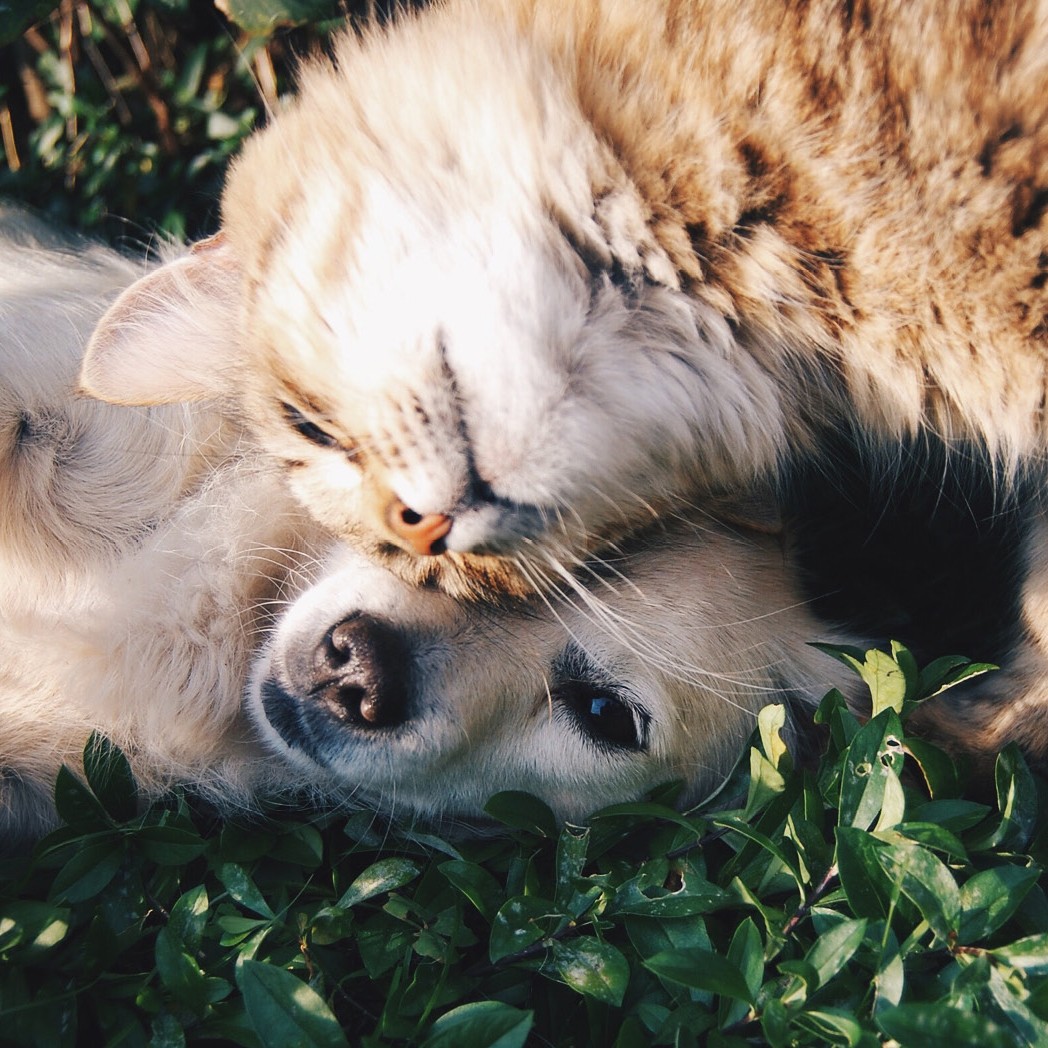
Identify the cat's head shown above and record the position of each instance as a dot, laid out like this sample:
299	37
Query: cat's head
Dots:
438	301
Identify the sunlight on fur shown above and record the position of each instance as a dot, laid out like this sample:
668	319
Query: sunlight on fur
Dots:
510	279
154	569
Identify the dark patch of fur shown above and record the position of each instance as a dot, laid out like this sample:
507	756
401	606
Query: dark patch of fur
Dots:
923	543
1028	206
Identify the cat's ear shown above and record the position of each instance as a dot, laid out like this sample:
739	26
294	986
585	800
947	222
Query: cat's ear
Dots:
171	336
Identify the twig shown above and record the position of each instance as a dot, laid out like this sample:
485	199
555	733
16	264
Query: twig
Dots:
141	72
10	147
805	907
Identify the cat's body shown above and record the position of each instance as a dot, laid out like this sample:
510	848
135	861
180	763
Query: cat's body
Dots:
513	278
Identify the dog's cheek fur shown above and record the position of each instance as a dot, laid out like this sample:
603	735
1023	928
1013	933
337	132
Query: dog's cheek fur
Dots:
135	570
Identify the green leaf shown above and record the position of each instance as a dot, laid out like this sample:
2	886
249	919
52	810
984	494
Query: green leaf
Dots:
242	889
701	970
592	968
761	840
482	1024
882	674
927	882
951	814
648	813
771	721
285	1011
651	935
835	947
383	876
890	979
990	897
1030	954
931	836
920	1024
77	805
89	871
189	917
746	952
694	896
766	783
863	878
180	973
522	811
1003	998
476	883
872	758
886	680
830	1026
262	17
775	1022
937	768
572	845
169	845
1016	799
109	776
833	711
520	922
34	926
941	674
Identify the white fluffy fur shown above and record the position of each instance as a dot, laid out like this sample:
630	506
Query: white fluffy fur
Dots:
136	549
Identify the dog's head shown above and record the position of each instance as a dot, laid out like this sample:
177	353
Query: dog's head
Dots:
653	670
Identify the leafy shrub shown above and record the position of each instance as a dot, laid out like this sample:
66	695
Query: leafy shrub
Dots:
129	110
858	901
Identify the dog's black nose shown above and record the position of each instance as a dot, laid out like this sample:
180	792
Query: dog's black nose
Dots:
360	673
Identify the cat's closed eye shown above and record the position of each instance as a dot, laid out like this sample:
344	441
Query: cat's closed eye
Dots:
304	427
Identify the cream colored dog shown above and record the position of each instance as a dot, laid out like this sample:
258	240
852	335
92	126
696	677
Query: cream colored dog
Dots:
160	586
153	571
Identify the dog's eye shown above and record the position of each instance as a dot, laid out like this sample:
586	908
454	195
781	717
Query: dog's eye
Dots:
310	430
602	715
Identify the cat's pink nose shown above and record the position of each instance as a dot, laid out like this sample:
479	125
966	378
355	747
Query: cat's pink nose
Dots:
422	532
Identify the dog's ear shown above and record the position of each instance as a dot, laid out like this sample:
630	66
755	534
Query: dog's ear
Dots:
171	336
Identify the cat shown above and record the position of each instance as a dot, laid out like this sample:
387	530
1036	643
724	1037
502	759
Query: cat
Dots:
508	281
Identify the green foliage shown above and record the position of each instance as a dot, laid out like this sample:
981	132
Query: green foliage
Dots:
129	110
857	901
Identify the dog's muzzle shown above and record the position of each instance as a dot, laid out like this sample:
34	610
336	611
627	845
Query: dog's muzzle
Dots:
357	678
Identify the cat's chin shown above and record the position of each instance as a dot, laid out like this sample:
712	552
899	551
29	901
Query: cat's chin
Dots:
470	576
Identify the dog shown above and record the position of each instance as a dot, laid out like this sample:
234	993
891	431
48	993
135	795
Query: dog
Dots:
160	586
509	280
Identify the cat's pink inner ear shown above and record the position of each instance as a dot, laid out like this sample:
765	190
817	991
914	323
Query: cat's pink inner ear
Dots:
172	335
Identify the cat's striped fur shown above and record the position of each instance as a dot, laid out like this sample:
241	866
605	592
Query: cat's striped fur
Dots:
539	271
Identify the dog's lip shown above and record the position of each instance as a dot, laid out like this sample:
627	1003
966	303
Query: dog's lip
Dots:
284	714
311	730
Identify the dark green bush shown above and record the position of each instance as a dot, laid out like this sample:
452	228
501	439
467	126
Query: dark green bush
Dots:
857	902
114	112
